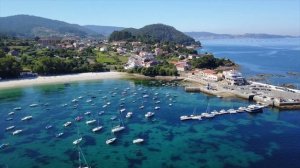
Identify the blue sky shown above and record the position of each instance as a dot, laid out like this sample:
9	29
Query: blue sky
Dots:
218	16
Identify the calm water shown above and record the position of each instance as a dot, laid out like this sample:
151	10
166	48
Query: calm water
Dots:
269	139
275	57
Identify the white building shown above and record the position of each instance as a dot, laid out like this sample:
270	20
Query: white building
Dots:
210	75
234	77
103	49
182	66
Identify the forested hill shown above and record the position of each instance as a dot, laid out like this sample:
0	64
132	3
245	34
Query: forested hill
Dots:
30	26
153	33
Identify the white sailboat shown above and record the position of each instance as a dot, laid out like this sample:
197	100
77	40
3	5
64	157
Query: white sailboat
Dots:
26	118
77	141
90	122
10	128
98	128
16	132
117	129
110	141
80	153
33	105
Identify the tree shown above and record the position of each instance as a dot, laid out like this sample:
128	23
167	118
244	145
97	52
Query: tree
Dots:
2	53
9	67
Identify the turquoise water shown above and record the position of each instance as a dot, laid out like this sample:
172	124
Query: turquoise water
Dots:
275	57
268	139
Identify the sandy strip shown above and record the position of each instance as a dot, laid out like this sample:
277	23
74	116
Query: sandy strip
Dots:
42	80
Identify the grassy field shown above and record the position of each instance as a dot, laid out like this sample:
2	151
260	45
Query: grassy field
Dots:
111	58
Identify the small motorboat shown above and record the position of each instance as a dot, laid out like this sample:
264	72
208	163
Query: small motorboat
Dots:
149	114
33	105
113	117
101	112
122	110
48	126
17	108
87	113
67	124
137	141
59	134
78	118
129	114
157	108
4	145
9	119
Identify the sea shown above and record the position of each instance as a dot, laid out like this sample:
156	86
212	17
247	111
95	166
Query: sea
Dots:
267	139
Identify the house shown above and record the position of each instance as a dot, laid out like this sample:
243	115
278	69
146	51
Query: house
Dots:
119	43
49	41
133	62
158	51
13	53
234	77
121	50
210	75
103	49
28	75
150	64
182	66
146	56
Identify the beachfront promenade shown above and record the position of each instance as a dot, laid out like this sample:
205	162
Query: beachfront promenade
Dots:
266	94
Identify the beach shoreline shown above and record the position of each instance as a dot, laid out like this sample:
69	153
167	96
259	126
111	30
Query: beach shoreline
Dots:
69	78
58	79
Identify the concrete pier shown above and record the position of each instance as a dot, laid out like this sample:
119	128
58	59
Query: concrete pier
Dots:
270	95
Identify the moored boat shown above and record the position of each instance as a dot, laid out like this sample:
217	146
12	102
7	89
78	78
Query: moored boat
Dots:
77	141
254	108
4	145
89	122
110	141
96	129
149	114
10	128
137	141
16	132
67	124
26	118
59	134
129	114
18	108
33	105
117	129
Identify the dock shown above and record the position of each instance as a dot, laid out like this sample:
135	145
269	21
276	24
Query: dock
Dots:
274	96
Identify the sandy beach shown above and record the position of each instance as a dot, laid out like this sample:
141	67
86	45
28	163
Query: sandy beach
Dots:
42	80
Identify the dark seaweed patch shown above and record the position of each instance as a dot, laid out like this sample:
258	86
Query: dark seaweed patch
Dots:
154	149
175	158
136	162
89	141
32	153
